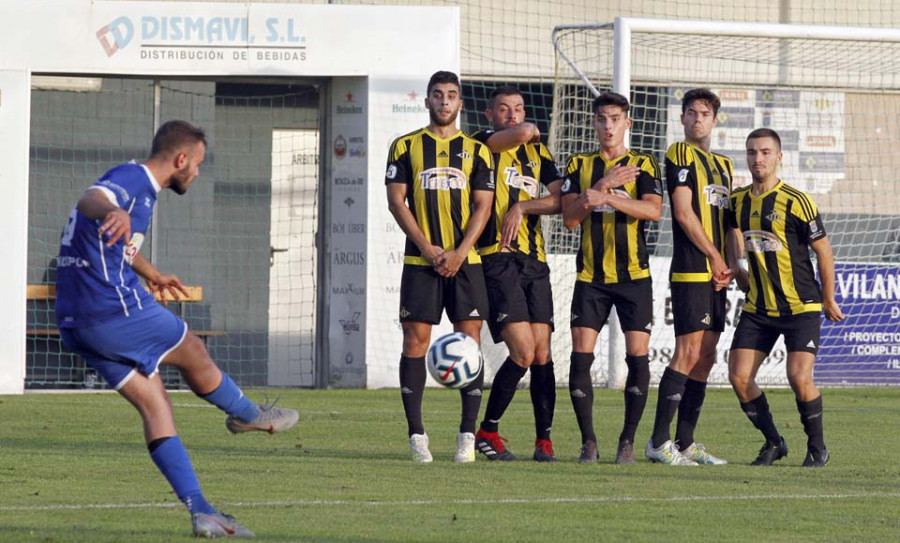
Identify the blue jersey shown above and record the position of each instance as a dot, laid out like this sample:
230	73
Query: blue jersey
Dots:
95	283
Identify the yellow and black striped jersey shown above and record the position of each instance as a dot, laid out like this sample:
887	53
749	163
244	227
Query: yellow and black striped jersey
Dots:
613	244
708	175
778	226
440	175
520	174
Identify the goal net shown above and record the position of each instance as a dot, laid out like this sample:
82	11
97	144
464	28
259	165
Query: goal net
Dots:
832	95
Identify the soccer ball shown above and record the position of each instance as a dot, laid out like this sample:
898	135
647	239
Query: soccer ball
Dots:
454	360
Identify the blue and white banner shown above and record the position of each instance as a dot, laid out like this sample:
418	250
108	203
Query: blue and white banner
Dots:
864	349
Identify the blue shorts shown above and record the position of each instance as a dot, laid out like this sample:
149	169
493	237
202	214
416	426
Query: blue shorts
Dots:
118	348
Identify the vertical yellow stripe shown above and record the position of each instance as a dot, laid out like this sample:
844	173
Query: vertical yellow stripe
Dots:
785	266
419	200
609	249
587	243
466	194
634	266
442	147
703	181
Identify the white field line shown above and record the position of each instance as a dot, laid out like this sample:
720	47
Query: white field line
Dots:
509	501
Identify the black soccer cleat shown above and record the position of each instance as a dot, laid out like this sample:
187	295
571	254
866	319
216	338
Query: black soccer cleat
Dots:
543	451
588	452
816	458
770	452
490	444
625	452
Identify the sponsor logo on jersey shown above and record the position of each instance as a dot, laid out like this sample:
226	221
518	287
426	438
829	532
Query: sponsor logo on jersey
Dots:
717	196
522	182
760	241
443	178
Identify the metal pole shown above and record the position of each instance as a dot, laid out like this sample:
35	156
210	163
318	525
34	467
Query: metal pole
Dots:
322	362
154	221
617	370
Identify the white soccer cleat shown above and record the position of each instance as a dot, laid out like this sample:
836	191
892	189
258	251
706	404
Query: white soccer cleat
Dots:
698	453
218	525
418	444
271	419
667	453
465	447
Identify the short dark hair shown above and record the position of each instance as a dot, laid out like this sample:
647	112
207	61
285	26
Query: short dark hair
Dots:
704	95
174	135
443	77
765	133
611	99
503	90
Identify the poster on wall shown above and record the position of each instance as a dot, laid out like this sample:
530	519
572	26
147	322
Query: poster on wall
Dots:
810	124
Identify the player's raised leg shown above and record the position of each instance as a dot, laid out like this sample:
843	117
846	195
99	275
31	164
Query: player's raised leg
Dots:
216	387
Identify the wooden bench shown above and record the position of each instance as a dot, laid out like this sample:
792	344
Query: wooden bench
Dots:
47	293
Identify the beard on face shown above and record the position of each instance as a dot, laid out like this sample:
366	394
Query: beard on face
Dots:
180	180
438	122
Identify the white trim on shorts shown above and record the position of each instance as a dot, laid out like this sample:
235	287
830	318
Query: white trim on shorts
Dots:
125	379
133	372
172	348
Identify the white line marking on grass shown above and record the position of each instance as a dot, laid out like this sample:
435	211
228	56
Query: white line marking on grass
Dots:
509	501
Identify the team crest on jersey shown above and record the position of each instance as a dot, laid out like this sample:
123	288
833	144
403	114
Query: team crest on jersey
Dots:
521	182
133	247
760	241
773	217
533	164
464	155
606	208
443	178
717	196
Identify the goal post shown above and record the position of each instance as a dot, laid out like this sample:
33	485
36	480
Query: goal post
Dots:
833	93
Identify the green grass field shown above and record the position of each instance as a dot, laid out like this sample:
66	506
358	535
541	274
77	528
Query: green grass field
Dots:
73	467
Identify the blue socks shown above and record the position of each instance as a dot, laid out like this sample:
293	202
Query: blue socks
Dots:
229	398
172	460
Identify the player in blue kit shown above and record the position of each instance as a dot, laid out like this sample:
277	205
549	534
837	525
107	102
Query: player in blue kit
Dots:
109	319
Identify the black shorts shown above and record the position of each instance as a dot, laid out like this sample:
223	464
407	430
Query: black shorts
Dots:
424	294
760	332
518	288
696	306
592	302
